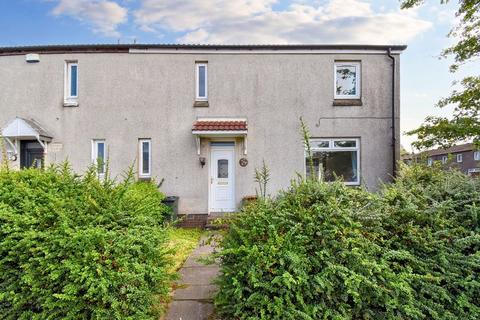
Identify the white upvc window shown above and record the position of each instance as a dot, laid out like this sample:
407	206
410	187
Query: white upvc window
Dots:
475	172
476	155
201	81
99	155
459	158
430	162
332	158
71	83
347	80
444	159
145	158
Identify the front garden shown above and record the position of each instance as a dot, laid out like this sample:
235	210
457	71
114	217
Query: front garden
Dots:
76	247
82	248
328	251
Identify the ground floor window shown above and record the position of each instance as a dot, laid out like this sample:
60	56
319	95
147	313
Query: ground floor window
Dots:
99	155
335	158
474	172
145	160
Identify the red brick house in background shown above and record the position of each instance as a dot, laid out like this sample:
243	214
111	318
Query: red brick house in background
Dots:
465	157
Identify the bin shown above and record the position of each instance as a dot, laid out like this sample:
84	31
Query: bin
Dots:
172	202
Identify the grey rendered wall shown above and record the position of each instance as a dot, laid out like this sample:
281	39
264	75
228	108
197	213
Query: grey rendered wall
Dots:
124	97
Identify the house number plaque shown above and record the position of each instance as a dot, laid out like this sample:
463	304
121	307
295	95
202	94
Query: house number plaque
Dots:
243	162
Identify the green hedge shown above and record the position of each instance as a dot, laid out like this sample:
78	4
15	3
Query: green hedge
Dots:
327	251
79	248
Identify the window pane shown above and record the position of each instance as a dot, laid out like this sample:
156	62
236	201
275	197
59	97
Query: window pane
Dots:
341	164
101	157
320	144
345	144
201	81
145	157
223	169
346	80
73	81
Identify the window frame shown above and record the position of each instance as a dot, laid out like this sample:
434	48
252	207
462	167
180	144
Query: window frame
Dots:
459	157
358	86
430	161
332	148
197	81
476	155
95	143
444	159
69	98
141	174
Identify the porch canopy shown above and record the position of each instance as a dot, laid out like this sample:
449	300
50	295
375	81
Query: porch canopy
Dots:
23	129
220	128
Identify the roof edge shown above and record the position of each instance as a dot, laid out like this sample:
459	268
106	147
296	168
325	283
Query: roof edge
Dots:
124	48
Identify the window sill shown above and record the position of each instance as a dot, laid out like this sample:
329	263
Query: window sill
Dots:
70	103
348	102
200	104
145	179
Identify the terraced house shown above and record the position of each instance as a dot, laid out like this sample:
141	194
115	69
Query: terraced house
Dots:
203	117
463	157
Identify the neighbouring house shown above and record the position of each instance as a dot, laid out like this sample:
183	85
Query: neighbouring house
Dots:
203	117
464	157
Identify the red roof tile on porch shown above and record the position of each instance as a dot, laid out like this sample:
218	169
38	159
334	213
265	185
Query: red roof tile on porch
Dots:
220	125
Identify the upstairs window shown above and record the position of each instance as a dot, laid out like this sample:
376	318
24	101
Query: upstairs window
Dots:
334	158
459	158
99	156
145	159
201	82
71	83
476	155
347	80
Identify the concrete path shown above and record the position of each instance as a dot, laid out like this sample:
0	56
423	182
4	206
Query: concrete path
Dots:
192	300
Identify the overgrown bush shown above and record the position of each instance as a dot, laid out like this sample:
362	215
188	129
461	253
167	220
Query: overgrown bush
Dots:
327	251
79	248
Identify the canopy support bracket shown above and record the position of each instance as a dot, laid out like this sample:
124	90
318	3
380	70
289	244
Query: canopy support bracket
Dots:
13	145
198	143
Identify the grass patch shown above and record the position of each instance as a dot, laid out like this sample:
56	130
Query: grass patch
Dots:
182	241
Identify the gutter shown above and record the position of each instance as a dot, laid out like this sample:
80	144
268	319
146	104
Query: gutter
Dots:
394	139
194	48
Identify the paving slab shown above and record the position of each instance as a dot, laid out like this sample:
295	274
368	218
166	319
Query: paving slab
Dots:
189	310
200	293
195	260
204	249
198	275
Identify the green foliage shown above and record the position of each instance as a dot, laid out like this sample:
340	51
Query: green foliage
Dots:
328	251
308	149
262	176
79	248
465	123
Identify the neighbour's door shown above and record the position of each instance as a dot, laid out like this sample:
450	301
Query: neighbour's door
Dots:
222	179
31	154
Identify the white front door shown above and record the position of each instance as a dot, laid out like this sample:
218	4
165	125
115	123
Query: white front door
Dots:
222	179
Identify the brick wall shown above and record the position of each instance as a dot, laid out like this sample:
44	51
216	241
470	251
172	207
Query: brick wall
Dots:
192	220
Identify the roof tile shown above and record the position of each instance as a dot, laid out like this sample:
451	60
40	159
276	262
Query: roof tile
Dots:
220	125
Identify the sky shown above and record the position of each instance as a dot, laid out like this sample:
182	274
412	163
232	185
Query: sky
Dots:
425	78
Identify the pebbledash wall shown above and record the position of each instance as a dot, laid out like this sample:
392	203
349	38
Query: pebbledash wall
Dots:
128	92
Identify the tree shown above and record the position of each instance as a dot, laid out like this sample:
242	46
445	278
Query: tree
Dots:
465	122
